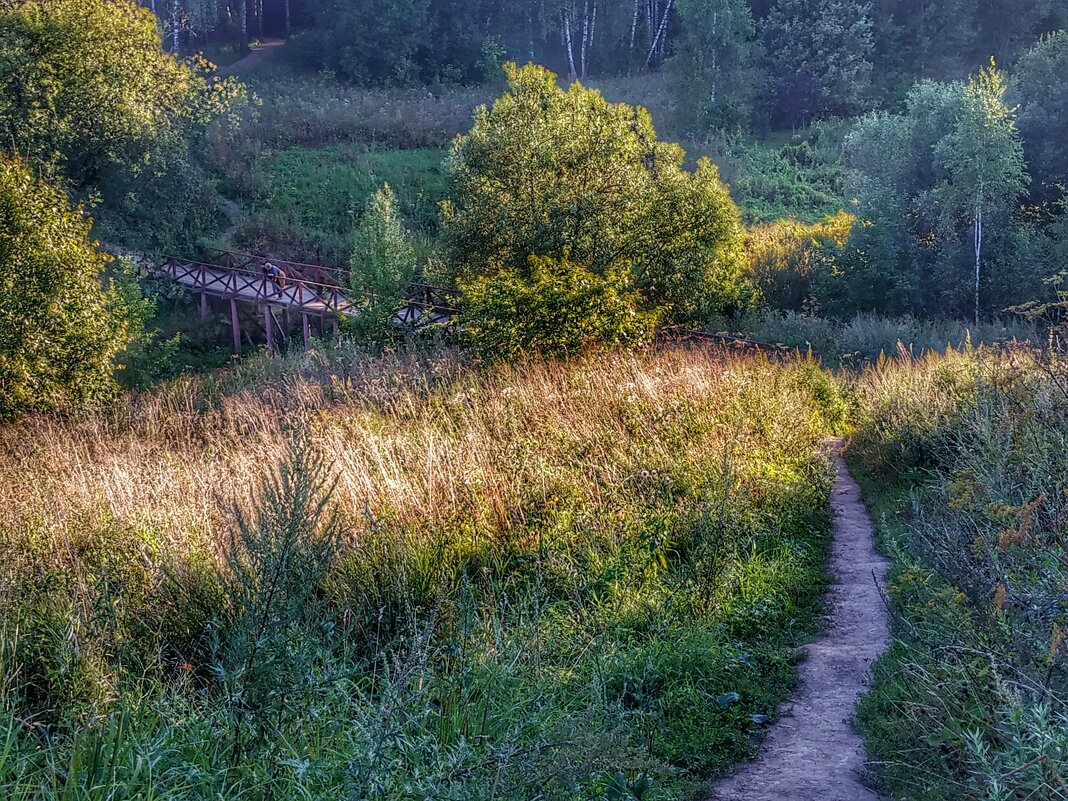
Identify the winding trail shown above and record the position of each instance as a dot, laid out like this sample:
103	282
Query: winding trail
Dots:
812	753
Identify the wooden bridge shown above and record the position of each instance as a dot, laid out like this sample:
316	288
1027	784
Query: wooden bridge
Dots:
314	292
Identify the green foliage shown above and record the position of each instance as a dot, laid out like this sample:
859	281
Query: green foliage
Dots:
383	262
964	464
553	307
986	176
89	95
565	174
304	202
1043	114
818	57
715	63
785	258
919	179
60	328
565	611
803	179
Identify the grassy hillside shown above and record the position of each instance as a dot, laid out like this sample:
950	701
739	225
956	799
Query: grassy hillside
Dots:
459	582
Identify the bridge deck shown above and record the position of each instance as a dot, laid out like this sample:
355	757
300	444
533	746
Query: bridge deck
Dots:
298	294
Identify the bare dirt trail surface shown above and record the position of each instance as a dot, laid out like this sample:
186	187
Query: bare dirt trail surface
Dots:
812	753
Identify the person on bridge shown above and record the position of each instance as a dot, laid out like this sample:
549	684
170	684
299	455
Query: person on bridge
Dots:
274	274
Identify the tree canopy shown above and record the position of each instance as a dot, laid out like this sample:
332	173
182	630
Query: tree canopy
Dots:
89	97
60	328
564	174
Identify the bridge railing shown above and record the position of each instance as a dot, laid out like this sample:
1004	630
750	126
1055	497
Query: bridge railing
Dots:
240	276
246	283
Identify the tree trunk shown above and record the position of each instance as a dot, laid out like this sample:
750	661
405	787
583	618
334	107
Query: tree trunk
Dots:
585	39
175	20
567	43
655	46
634	23
287	17
978	251
242	13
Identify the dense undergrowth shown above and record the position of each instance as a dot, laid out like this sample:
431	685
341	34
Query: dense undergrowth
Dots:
963	461
554	580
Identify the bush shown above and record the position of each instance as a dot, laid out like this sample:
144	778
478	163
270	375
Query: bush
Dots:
60	328
554	307
567	175
785	256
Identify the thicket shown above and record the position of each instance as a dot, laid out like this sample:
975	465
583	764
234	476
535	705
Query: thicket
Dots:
548	579
963	458
90	99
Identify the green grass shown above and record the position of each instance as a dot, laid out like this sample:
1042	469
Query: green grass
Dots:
462	582
961	460
306	202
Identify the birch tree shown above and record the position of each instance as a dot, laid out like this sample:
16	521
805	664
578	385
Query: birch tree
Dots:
984	159
714	61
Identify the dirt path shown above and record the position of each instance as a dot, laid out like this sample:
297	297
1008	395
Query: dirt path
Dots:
812	753
266	49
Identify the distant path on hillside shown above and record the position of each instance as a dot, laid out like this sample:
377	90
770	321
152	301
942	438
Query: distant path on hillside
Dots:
266	49
813	753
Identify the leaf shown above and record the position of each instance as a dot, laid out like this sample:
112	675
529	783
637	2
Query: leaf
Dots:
727	700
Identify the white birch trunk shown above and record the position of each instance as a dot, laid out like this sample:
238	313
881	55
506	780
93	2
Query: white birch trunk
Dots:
567	43
287	17
175	21
655	46
634	22
978	249
242	12
585	39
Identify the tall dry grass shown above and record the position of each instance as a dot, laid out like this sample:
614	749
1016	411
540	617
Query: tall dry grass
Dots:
534	576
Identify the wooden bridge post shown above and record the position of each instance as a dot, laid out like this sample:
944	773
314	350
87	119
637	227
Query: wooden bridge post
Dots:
307	331
268	321
235	324
203	307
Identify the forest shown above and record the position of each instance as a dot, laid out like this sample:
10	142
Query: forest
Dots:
478	400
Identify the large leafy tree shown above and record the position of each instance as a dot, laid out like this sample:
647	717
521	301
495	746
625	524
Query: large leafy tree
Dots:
819	57
565	174
1037	85
88	95
60	329
937	190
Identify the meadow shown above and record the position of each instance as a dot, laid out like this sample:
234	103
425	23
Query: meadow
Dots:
412	577
962	459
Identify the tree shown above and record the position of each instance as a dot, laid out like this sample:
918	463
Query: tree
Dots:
552	307
1037	86
567	175
60	328
984	159
714	61
818	56
383	261
88	95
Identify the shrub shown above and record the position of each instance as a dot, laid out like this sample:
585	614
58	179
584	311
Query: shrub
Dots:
554	307
565	174
784	257
60	328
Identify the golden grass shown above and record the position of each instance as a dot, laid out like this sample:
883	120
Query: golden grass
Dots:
417	441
